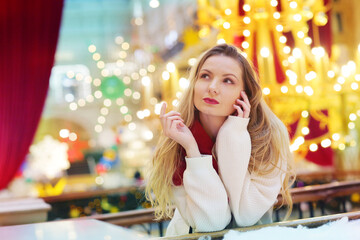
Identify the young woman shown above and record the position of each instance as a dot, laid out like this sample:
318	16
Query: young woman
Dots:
223	156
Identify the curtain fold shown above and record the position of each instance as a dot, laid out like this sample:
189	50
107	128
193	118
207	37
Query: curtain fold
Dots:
28	37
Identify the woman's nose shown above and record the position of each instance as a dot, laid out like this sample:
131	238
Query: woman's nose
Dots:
214	87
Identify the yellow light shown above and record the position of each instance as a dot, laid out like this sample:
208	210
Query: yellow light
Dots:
132	126
336	137
341	146
120	101
304	114
337	87
138	21
128	118
313	147
228	11
184	83
307	41
220	41
90	98
127	80
125	45
353	143
282	39
105	72
308	90
246	33
122	54
352	117
100	64
226	25
192	61
170	67
276	15
136	95
165	75
73	106
351	125
104	111
143	72
359	47
120	63
357	77
297	17
274	3
101	119
92	48
305	130
331	74
284	89
310	76
135	76
81	102
300	34
287	49
358	112
318	51
247	20
98	128
107	102
244	54
266	91
175	102
127	92
124	109
140	114
297	53
245	44
279	28
246	7
264	52
341	80
119	40
98	94
97	82
70	74
96	56
154	3
64	133
354	86
326	143
293	4
285	63
153	101
145	81
299	89
151	68
291	59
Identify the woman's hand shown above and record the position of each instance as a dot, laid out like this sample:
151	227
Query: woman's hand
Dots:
244	110
174	128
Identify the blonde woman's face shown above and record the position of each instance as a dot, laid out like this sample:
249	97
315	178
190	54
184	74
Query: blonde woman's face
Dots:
218	85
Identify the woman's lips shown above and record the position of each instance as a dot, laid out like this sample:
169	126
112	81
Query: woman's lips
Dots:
210	101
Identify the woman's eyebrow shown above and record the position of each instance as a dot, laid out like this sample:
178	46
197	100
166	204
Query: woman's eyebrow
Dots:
230	74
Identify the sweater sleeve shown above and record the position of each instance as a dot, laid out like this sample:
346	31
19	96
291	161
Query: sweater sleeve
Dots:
202	200
250	195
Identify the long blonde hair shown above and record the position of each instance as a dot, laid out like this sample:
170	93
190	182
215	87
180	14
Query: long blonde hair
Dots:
269	138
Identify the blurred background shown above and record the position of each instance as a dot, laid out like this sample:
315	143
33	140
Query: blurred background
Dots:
79	131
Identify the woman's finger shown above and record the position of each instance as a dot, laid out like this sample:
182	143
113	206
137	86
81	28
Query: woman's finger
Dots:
245	108
171	113
245	97
239	111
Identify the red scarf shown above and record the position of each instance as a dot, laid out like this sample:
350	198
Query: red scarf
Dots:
205	145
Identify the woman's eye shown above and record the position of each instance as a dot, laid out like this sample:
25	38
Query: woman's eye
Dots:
204	76
227	80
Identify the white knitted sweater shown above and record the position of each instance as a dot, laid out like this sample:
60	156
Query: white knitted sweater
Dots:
206	200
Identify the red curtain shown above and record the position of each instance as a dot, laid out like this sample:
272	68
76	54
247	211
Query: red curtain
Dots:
28	37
